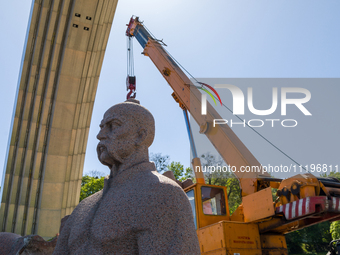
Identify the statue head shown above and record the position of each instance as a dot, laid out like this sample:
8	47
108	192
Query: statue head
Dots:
126	132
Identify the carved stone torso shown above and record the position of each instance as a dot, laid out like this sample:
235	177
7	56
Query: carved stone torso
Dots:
138	212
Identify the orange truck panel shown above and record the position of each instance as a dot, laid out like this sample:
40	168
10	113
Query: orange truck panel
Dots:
258	205
229	238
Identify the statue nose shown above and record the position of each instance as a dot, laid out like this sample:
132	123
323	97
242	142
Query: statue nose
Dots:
100	135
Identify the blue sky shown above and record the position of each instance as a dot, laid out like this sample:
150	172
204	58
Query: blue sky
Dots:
217	38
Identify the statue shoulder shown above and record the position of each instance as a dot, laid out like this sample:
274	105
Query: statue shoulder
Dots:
168	183
162	186
89	202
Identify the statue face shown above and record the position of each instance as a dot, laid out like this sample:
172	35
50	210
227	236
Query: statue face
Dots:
117	137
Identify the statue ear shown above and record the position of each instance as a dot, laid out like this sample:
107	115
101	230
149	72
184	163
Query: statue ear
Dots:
141	136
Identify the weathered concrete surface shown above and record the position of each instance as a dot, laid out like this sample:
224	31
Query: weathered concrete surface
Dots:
65	48
139	211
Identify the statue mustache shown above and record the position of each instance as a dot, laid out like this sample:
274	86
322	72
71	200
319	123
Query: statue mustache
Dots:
112	153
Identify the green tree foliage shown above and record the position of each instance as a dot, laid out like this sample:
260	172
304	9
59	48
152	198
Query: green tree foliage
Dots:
274	191
294	242
176	168
234	193
331	174
161	161
90	185
179	172
162	165
188	173
318	237
335	230
312	239
216	177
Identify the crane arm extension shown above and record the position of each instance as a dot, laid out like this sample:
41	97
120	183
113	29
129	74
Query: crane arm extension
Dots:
230	147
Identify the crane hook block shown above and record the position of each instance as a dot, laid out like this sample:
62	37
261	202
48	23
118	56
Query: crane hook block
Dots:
131	85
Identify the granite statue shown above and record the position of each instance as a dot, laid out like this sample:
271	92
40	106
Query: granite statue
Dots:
139	211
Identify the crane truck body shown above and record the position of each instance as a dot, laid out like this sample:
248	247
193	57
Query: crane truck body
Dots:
258	225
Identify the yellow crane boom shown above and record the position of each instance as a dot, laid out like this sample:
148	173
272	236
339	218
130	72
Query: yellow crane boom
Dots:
230	147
